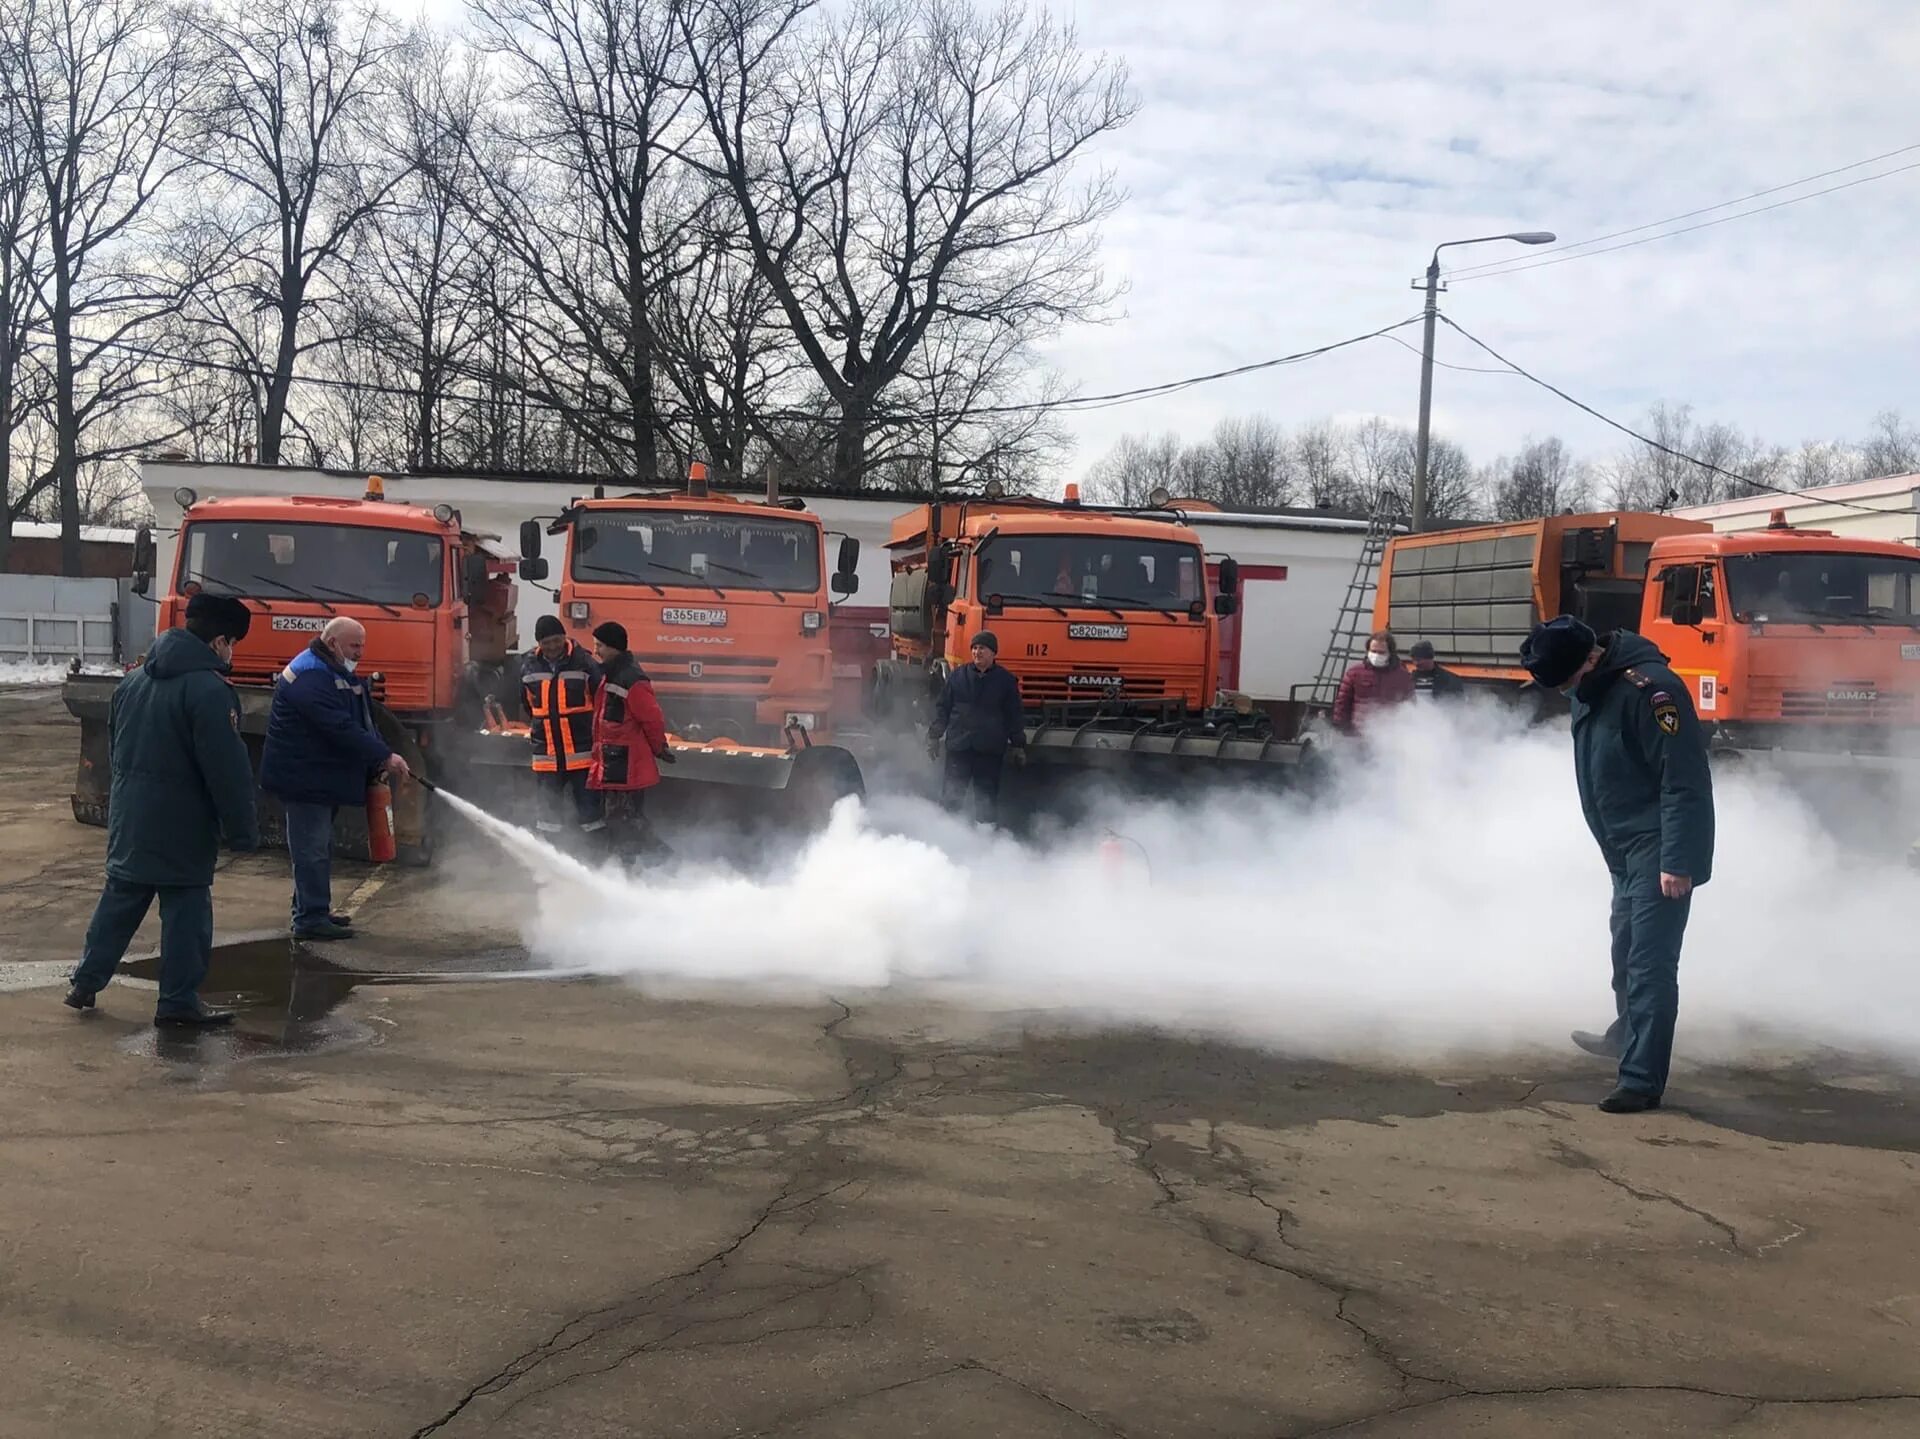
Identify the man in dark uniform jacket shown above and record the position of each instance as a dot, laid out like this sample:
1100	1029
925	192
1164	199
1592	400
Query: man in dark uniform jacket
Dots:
1640	758
181	777
980	719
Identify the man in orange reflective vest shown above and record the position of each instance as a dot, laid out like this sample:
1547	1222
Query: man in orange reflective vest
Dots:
558	681
629	744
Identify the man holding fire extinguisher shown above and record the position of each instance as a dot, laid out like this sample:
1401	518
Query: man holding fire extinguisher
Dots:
321	749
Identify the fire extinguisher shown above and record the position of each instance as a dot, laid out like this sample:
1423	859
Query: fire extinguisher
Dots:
380	845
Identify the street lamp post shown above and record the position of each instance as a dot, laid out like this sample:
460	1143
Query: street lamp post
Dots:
1432	287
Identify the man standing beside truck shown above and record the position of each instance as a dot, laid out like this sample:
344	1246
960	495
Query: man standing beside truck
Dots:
181	778
979	716
1640	758
557	685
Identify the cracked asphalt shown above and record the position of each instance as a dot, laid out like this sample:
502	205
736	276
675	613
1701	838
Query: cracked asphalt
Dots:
571	1208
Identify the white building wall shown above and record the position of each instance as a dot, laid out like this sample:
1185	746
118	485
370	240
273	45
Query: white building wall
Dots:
1884	509
1284	630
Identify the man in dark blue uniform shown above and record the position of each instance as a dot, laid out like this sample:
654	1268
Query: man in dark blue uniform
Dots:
979	717
180	778
1640	757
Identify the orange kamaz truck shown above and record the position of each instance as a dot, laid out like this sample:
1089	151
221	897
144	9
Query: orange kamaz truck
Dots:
1104	615
1800	643
437	601
726	602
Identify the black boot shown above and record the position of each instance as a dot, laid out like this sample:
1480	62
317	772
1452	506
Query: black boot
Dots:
1629	1101
199	1017
78	998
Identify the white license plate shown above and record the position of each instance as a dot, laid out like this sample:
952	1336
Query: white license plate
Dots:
1910	652
1096	632
301	624
693	617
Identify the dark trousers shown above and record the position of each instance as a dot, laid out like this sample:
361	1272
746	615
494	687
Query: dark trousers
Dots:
627	833
971	782
310	848
186	939
1647	930
563	801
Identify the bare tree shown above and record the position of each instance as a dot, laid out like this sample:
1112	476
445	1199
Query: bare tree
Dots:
902	163
1134	468
1319	458
24	382
299	95
582	187
1542	479
97	88
1253	464
1892	447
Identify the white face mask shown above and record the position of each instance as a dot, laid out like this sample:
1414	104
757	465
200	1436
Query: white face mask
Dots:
350	665
1378	661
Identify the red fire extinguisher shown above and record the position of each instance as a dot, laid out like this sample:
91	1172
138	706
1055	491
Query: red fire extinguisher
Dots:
380	846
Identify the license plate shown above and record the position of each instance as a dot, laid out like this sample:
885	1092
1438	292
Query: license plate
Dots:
693	617
1910	652
300	624
1096	632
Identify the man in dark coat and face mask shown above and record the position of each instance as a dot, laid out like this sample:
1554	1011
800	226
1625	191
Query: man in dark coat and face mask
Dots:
181	778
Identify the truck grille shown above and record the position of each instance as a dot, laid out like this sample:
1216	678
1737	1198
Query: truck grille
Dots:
1083	683
674	673
406	689
1839	702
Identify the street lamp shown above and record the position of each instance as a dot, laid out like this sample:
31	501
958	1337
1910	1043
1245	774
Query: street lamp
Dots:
1432	286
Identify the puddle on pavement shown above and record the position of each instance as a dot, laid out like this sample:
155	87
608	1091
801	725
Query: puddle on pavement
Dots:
285	999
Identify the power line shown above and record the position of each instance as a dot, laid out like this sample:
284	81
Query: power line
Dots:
1069	404
1470	271
1463	369
1648	440
1689	229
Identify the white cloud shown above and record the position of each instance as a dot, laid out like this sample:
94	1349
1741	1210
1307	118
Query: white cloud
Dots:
1293	165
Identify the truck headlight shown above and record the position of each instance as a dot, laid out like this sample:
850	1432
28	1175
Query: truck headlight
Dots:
810	622
578	610
806	721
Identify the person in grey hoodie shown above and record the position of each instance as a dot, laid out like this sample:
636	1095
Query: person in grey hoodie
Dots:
181	778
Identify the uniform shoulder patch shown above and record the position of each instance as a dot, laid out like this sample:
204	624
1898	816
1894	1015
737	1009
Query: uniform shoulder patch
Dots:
1635	678
1666	713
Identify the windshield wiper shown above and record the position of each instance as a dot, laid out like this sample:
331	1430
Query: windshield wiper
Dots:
357	599
676	570
622	575
1867	619
1136	603
747	574
1087	603
1035	600
297	594
234	591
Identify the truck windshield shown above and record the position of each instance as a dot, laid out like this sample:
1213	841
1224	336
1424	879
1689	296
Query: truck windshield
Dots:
647	547
1116	571
265	559
1816	587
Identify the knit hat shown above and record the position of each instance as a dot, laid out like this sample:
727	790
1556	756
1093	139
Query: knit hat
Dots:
612	634
547	626
227	617
1422	650
1554	652
987	638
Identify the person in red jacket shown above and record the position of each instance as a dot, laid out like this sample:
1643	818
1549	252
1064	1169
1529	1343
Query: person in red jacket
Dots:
1376	683
629	743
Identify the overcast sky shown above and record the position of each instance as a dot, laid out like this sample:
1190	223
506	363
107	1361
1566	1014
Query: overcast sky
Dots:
1293	166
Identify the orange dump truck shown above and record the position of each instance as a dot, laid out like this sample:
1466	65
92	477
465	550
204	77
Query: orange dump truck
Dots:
725	602
1104	615
437	601
1800	643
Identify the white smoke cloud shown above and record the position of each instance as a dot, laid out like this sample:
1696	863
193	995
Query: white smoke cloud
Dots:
1442	898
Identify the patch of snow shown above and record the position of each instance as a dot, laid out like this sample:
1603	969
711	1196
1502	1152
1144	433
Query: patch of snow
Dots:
20	673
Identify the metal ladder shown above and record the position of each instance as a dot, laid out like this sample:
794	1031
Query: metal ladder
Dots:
1355	623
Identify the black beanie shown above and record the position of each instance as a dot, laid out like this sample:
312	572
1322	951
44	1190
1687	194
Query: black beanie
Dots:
612	634
987	638
1554	652
547	626
223	615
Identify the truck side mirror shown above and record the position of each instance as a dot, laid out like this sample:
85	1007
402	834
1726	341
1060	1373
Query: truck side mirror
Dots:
846	583
529	542
849	555
1225	604
143	560
1229	577
533	570
1688	613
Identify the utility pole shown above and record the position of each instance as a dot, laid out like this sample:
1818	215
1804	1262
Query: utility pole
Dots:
1418	504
